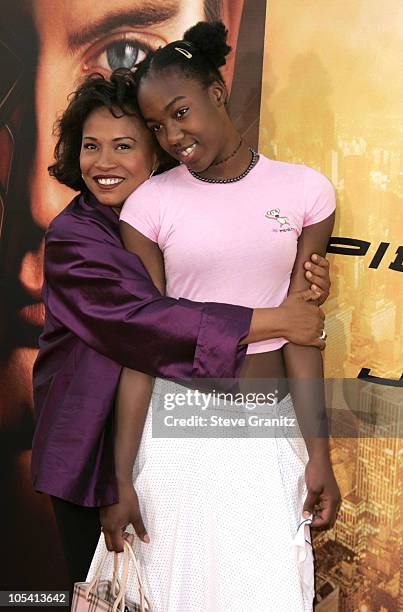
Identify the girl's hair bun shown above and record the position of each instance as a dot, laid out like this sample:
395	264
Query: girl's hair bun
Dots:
211	40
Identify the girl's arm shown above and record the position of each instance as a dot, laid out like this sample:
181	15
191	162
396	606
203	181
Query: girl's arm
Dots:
304	368
131	405
148	251
132	401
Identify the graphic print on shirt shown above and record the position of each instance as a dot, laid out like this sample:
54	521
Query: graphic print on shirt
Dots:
283	222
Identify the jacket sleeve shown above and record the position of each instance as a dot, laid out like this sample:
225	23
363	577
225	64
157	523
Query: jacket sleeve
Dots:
104	295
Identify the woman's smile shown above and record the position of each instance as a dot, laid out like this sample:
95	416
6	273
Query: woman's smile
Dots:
108	182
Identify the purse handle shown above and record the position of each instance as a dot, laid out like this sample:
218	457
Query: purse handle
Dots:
129	554
120	584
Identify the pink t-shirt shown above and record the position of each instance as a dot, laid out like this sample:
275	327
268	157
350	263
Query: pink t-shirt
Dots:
234	243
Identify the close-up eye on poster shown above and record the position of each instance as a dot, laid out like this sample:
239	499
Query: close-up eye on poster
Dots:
201	331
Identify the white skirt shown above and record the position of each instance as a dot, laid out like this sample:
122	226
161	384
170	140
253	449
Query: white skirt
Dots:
224	520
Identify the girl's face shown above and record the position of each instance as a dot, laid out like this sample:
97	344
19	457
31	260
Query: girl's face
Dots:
188	120
117	155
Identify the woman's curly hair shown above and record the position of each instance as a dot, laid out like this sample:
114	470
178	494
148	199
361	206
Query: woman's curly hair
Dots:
117	94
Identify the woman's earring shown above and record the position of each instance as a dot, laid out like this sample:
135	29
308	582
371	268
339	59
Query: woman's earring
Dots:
152	172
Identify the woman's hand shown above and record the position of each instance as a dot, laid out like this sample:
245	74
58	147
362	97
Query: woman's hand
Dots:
317	273
323	498
303	320
116	517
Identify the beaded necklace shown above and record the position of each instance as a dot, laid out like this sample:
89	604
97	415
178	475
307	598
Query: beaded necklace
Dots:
252	164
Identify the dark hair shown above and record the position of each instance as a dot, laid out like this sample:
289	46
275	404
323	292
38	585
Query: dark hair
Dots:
117	94
199	55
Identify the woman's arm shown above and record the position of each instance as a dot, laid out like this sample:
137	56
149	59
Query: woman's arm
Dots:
104	295
294	319
305	373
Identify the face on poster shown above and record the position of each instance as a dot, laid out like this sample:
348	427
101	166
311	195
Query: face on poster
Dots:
46	48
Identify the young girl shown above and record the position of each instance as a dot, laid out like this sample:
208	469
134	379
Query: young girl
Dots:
224	515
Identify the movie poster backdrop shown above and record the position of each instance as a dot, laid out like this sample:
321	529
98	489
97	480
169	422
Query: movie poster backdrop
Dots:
311	82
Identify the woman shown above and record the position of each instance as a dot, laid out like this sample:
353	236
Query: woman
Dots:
228	225
103	312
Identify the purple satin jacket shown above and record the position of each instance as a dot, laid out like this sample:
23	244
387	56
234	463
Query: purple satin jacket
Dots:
103	312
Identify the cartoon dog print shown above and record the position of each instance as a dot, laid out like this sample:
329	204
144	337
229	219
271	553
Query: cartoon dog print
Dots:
275	214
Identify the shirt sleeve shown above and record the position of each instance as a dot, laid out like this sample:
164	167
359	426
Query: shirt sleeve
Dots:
319	195
104	295
142	210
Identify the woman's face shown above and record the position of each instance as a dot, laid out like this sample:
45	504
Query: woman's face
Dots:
117	155
189	120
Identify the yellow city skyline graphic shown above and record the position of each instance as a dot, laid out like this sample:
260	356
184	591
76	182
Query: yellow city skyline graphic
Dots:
331	99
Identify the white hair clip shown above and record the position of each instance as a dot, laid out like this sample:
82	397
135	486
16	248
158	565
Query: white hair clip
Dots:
184	52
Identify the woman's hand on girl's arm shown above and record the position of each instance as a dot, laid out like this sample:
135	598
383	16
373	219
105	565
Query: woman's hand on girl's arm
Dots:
317	274
298	319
